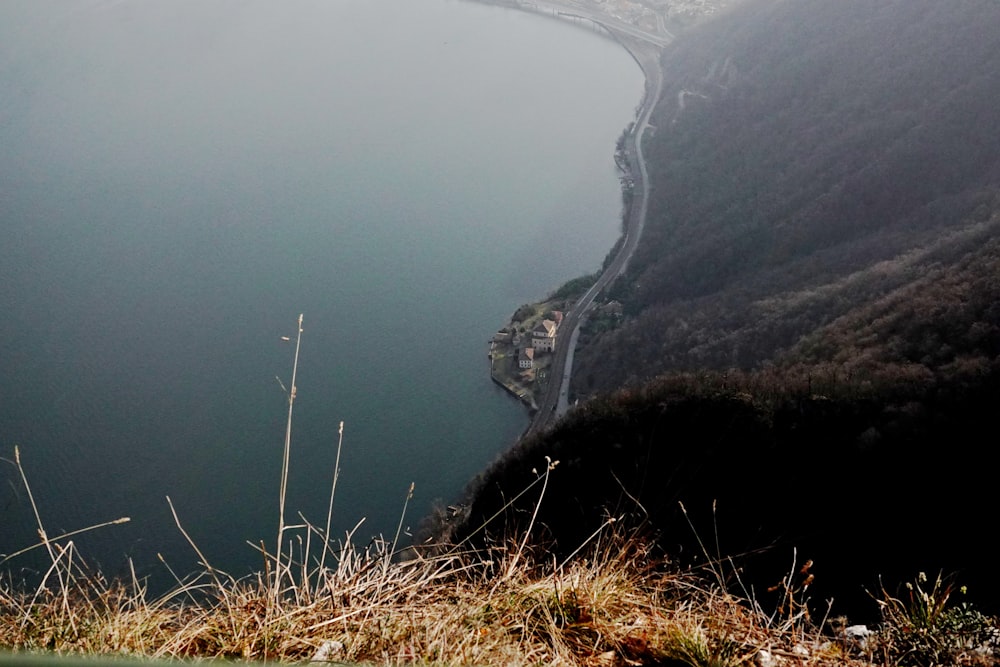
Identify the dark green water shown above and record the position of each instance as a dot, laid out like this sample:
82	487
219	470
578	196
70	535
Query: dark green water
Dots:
179	180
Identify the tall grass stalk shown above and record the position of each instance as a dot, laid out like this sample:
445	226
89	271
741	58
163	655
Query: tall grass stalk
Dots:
333	493
399	529
549	466
284	465
64	536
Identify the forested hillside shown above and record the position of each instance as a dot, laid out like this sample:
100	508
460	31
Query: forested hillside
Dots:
809	158
873	482
810	354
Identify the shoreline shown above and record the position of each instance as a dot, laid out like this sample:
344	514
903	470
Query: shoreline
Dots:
519	396
548	404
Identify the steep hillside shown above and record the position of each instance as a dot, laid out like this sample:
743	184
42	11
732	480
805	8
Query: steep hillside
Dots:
810	355
809	157
874	481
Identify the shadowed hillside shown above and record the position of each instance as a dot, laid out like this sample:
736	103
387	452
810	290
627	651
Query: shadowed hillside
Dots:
881	478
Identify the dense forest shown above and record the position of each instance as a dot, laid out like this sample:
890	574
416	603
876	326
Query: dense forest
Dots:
810	352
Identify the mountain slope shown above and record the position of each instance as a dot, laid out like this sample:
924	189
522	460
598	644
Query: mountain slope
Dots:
800	149
810	357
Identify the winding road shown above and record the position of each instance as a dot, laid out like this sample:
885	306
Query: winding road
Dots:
645	48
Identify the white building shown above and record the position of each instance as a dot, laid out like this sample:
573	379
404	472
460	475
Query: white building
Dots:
543	336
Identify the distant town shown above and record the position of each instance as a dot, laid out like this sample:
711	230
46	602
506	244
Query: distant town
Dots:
649	15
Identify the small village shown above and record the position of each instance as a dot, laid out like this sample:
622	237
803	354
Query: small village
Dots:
521	353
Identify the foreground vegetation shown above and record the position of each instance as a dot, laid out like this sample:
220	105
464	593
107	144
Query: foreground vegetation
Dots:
611	607
610	603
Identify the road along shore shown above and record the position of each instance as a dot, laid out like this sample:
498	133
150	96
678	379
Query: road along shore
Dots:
645	49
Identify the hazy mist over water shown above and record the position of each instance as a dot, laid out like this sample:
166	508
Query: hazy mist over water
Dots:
179	180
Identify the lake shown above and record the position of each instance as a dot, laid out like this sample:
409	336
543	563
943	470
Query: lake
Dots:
180	180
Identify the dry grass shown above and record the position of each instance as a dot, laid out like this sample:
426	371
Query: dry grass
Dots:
608	606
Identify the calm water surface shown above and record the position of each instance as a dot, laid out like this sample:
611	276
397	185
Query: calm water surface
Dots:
179	180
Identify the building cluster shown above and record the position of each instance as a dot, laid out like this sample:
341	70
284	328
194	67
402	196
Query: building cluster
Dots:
543	339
